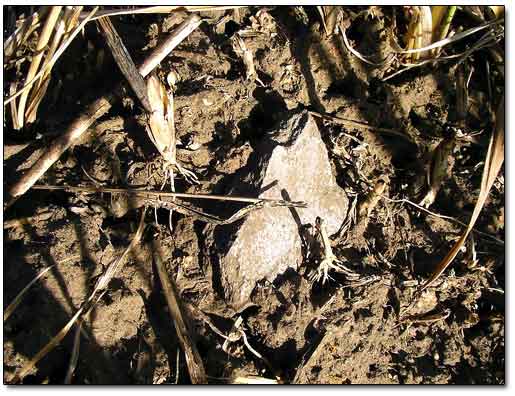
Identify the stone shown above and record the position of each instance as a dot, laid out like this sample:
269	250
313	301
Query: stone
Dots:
290	163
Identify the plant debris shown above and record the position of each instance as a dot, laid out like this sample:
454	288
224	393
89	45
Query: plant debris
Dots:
335	173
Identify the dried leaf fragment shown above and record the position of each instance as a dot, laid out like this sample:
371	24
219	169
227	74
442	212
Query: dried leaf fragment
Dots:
161	128
437	170
493	163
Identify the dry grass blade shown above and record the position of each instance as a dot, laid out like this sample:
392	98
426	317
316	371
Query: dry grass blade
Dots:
12	306
193	359
21	34
53	342
14	108
40	87
358	124
362	58
54	58
75	355
99	290
158	194
36	60
493	163
253	380
450	40
104	280
162	10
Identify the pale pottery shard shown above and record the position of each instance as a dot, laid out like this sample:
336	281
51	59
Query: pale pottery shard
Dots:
291	163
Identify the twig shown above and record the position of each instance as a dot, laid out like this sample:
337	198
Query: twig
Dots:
94	111
193	359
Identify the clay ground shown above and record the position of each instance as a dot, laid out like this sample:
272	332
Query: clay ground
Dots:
317	334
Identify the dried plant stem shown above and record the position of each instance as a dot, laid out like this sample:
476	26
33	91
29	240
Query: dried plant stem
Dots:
63	29
54	341
36	60
94	111
124	61
176	37
362	58
41	86
443	29
162	10
193	359
157	194
449	40
358	124
493	163
73	19
75	354
14	108
12	306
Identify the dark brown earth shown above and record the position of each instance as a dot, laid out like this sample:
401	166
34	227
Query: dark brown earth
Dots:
332	333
